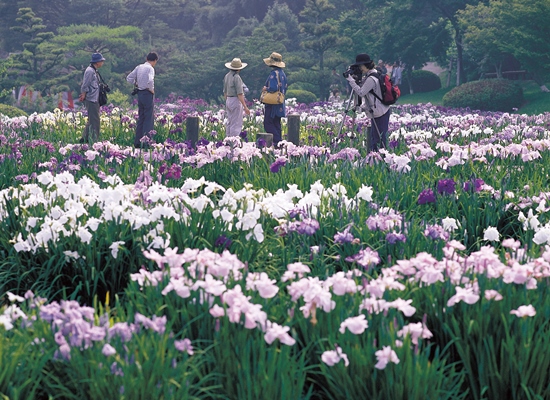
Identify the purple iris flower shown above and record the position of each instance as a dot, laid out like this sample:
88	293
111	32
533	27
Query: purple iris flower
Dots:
223	241
446	186
477	185
393	238
277	165
426	196
308	227
344	237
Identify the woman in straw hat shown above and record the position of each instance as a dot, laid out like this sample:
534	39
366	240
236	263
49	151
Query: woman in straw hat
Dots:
234	97
275	81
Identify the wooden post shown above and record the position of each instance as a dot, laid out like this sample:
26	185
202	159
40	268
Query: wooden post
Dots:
293	134
193	130
266	138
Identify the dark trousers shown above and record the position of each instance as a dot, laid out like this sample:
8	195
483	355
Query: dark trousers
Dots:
145	122
91	130
272	124
378	137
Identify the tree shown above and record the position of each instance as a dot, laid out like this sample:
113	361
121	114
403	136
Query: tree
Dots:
484	35
527	37
428	12
320	33
122	47
36	64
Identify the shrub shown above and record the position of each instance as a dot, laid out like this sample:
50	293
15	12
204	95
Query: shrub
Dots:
11	111
301	96
423	81
486	95
310	87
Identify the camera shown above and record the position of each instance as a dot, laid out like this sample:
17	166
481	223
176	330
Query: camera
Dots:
135	91
355	72
104	87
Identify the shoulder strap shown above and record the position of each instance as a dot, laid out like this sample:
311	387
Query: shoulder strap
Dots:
278	81
377	76
99	76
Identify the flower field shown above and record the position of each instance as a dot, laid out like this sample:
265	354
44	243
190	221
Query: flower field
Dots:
228	270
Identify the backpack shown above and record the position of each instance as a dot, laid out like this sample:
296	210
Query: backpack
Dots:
390	92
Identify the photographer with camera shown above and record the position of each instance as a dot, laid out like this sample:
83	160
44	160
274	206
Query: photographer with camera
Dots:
89	94
363	79
143	78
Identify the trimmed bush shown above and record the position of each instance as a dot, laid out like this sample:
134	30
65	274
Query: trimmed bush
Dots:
310	87
486	95
422	81
11	111
301	96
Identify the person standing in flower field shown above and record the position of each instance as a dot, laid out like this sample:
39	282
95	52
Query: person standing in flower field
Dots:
275	81
379	113
89	94
233	92
143	77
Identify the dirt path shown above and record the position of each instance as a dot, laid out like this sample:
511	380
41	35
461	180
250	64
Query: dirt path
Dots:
433	67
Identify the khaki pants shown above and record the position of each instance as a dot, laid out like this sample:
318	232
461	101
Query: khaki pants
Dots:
234	110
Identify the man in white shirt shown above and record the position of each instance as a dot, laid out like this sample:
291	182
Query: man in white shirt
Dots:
143	77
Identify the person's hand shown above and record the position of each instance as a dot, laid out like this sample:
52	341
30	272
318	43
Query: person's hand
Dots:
247	111
264	89
350	79
82	97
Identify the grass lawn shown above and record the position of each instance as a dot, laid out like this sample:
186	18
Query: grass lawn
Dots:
536	102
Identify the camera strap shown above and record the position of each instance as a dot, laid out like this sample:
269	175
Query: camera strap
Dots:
99	77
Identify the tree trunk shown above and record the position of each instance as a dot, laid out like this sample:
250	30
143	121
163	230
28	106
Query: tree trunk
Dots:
451	62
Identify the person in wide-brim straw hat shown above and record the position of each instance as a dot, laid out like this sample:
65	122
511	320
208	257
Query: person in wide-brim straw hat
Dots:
233	92
275	60
235	65
275	82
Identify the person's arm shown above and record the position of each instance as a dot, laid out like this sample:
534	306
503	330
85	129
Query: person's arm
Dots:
239	86
85	87
240	96
151	80
132	76
368	85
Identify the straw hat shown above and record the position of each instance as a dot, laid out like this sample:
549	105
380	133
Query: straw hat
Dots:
235	64
275	60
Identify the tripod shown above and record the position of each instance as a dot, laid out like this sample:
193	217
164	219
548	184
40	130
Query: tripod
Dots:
357	104
346	110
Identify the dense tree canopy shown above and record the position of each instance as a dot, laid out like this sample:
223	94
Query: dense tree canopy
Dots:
49	42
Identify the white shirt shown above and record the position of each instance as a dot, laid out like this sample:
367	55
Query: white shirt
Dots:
144	76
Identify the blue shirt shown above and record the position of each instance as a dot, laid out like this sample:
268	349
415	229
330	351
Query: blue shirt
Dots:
272	85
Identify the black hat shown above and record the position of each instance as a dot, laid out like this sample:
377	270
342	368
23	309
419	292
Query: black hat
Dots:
362	58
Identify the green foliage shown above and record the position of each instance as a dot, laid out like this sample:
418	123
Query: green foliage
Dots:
422	81
527	29
119	98
36	64
301	96
487	95
483	33
11	111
